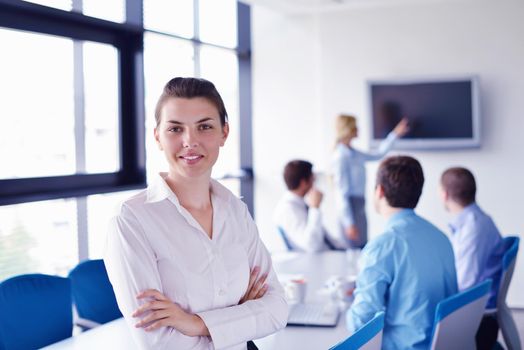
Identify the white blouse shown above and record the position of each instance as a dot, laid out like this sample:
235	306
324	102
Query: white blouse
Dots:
155	243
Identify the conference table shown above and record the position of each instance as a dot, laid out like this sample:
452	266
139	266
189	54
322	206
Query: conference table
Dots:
315	268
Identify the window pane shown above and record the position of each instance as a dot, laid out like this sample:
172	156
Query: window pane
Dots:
101	108
174	17
100	209
164	58
218	22
38	237
221	67
36	113
66	5
113	10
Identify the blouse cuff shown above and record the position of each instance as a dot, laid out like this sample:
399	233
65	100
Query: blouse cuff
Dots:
231	329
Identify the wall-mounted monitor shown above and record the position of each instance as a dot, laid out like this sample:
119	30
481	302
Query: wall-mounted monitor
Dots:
442	113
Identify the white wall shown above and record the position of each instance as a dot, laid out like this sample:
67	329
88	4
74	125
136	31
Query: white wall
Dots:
285	100
309	69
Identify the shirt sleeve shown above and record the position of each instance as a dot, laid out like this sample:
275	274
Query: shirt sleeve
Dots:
343	192
373	282
385	146
470	254
255	318
131	265
303	227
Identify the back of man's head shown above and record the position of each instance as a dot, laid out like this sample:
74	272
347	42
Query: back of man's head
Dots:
295	171
402	179
459	183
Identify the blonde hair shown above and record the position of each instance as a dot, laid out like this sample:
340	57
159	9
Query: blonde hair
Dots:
345	126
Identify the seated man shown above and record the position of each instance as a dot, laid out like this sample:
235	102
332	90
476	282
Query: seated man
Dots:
408	269
301	222
476	241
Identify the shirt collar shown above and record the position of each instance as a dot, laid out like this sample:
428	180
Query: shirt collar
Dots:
294	197
398	217
460	219
160	190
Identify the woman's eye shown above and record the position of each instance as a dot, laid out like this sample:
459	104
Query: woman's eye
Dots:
205	127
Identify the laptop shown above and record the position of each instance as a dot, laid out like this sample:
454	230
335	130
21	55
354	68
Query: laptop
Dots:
313	315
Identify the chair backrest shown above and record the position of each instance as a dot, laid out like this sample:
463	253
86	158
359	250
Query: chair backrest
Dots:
368	337
511	248
284	238
93	293
458	317
35	311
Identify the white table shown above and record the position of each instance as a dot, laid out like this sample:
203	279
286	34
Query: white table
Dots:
113	335
316	268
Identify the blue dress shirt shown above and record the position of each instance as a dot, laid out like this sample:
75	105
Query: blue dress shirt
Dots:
406	271
478	249
350	174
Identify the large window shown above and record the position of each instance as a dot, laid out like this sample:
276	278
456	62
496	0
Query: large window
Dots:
79	115
72	120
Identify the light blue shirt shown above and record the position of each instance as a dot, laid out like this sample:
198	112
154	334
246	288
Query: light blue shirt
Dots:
478	249
350	174
406	272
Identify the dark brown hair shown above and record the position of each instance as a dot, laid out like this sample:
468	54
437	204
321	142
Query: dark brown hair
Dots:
190	88
460	184
402	179
296	171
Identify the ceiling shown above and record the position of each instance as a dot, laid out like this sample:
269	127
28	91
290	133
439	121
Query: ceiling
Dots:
317	6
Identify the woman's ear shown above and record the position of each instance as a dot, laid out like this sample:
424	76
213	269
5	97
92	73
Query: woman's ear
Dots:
225	133
157	139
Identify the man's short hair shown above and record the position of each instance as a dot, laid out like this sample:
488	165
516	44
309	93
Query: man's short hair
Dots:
402	179
296	171
460	185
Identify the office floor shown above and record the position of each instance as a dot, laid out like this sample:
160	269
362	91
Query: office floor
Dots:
518	315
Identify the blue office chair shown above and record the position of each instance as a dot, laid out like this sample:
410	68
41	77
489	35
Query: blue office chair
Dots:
284	238
93	294
458	317
35	311
504	317
368	337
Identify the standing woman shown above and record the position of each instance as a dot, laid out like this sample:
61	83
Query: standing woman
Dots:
184	256
350	177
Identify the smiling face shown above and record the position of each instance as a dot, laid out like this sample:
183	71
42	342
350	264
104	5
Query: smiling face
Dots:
190	134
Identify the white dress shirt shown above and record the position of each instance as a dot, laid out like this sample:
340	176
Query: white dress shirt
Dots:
155	243
302	227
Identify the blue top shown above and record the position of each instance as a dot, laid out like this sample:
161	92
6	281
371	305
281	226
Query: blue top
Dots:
406	271
478	250
350	174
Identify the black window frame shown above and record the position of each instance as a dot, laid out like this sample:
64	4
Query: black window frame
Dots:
127	38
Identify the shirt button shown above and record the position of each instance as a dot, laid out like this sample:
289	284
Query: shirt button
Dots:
221	292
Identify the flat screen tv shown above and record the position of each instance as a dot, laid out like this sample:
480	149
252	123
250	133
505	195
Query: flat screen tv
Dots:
442	113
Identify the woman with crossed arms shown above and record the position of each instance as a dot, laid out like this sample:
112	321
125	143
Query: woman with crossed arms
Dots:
184	256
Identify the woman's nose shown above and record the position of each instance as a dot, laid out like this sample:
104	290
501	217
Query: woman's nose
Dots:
190	139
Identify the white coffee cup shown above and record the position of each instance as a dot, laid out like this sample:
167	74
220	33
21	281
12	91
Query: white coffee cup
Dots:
341	287
295	290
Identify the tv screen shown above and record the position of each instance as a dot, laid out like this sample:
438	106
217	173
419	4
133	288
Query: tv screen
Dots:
441	113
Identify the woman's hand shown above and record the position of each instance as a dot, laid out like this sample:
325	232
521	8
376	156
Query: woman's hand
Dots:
256	287
402	127
352	232
159	311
